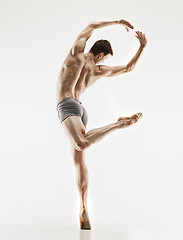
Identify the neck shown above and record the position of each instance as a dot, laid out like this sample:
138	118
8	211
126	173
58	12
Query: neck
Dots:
91	57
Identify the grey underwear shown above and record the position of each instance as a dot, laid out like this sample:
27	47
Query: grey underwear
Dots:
71	107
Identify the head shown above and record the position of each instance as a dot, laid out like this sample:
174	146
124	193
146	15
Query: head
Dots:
101	50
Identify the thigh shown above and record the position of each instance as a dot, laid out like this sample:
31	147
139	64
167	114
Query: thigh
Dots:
74	128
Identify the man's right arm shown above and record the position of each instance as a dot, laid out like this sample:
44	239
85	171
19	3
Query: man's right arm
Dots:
80	42
101	24
122	22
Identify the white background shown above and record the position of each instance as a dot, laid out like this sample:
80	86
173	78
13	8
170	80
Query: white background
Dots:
135	174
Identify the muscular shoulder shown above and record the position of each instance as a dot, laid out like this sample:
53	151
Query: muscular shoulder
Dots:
80	42
70	59
78	47
102	70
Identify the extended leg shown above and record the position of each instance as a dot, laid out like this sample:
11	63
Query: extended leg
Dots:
76	130
98	134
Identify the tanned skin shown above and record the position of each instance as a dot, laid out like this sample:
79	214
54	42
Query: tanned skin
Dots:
78	72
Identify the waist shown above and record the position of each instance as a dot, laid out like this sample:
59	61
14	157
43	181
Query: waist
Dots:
64	95
64	99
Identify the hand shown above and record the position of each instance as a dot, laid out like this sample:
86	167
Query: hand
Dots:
125	24
142	38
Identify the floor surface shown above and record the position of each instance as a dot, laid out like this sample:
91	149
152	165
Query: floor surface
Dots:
56	233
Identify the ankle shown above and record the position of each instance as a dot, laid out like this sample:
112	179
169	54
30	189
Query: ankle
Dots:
117	125
83	208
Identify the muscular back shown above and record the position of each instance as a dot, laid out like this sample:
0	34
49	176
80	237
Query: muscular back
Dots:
76	74
79	71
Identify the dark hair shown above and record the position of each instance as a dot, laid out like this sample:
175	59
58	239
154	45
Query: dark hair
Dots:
101	46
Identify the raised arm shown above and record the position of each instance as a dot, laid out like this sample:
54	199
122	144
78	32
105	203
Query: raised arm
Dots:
80	42
122	22
143	42
109	71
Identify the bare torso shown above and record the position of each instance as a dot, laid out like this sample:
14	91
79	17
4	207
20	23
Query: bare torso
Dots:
77	73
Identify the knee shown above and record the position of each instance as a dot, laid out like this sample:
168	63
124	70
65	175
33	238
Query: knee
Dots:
82	144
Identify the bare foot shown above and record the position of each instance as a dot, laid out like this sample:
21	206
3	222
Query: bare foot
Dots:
124	122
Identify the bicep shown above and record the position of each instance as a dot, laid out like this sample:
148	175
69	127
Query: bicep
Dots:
86	33
111	71
117	70
80	42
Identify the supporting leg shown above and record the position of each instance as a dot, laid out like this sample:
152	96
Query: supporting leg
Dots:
82	183
81	175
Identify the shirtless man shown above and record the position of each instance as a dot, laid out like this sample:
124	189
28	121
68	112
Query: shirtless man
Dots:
78	72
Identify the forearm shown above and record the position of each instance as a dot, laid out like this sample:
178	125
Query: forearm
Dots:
134	60
101	24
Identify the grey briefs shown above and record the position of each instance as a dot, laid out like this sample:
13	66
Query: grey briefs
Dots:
71	107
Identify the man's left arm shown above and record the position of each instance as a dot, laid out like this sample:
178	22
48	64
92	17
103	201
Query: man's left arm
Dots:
143	42
108	71
131	65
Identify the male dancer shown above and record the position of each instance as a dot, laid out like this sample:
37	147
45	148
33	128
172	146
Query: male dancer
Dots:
78	72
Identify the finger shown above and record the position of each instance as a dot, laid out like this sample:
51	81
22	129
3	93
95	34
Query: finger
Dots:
129	25
137	36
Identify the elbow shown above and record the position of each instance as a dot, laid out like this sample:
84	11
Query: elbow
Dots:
129	68
91	25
